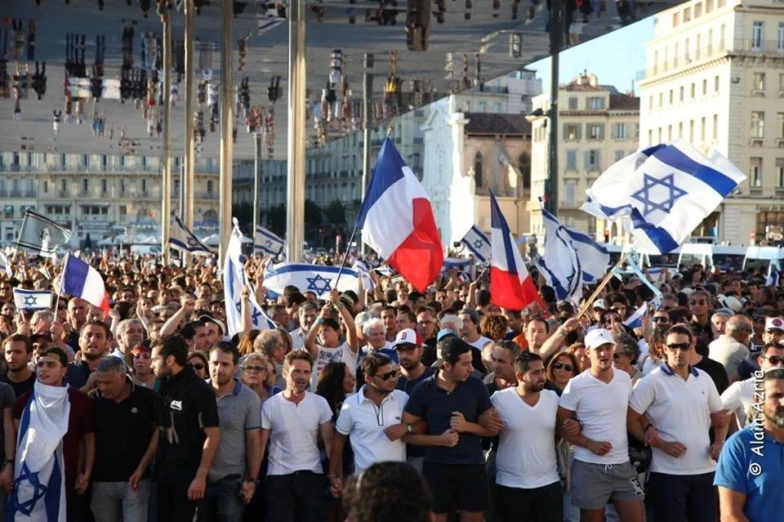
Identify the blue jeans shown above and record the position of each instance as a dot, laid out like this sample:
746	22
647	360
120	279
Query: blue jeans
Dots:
223	503
117	502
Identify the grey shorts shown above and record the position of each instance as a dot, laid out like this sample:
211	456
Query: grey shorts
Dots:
594	485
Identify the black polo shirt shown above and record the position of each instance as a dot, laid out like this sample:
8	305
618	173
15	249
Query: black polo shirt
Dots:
122	433
78	373
435	405
407	386
185	407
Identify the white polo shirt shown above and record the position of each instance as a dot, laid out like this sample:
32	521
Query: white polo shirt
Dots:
601	407
680	410
738	398
365	423
526	451
294	430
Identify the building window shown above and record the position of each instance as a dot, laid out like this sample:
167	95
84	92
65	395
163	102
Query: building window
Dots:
687	15
46	186
758	83
697	10
703	124
63	186
722	33
780	171
680	131
704	88
104	187
687	48
780	125
676	19
650	103
592	162
672	96
595	131
650	136
620	132
757	124
755	172
691	131
144	186
680	94
85	186
210	187
757	30
524	164
478	179
669	133
595	103
618	155
572	103
708	6
571	159
710	42
780	37
693	90
716	83
675	54
769	219
715	126
570	193
661	136
572	131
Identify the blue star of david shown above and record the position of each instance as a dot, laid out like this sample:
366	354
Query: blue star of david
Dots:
649	182
192	242
239	306
318	284
39	491
255	315
30	300
478	244
268	243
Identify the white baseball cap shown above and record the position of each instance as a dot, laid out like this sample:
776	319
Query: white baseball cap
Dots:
597	337
599	303
407	336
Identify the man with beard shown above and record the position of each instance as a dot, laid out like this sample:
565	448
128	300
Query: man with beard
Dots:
234	473
371	417
749	474
458	413
94	346
292	422
671	409
18	350
529	487
189	433
602	471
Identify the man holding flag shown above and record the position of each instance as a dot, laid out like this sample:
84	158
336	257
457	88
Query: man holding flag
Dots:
56	448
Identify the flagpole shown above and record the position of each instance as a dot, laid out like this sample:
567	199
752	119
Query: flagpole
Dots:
587	304
345	256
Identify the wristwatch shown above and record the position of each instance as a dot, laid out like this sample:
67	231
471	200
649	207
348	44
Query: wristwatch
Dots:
409	429
254	480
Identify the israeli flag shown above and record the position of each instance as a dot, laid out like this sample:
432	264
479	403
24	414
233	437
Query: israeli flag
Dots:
32	299
635	320
453	262
183	239
773	279
363	271
39	470
385	270
41	235
318	279
477	243
560	264
233	281
662	193
594	258
267	242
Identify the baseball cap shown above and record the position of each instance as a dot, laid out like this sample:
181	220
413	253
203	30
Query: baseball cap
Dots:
210	319
599	303
774	323
407	336
444	333
597	337
731	302
724	311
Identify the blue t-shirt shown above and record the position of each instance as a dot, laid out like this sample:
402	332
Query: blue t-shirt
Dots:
752	463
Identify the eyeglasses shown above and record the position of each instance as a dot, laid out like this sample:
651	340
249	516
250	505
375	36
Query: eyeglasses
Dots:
196	366
563	366
679	346
254	369
618	355
386	376
661	319
777	360
698	302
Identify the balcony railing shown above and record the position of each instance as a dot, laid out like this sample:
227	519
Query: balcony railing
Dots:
755	192
779	192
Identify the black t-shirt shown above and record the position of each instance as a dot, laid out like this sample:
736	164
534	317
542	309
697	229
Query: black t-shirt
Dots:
408	386
716	371
430	352
435	405
20	388
122	433
185	407
7	400
78	374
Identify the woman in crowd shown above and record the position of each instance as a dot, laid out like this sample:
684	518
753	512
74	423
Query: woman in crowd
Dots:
562	367
255	375
580	354
198	362
627	353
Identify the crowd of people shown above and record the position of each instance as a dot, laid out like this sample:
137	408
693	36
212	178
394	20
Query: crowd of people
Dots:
394	404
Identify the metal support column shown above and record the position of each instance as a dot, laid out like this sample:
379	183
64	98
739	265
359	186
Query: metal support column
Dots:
188	176
297	136
256	182
367	97
166	182
557	25
227	124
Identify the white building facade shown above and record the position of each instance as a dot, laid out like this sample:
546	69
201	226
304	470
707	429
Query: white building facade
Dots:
715	78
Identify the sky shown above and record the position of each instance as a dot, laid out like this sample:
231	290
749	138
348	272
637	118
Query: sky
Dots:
615	58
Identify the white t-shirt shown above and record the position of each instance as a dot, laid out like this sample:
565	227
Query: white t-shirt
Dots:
680	410
294	430
526	452
365	423
738	398
481	342
325	356
601	407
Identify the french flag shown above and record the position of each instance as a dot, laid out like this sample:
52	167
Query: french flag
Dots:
511	286
83	281
397	220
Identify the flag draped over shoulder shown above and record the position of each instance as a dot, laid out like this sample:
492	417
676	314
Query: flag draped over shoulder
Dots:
39	472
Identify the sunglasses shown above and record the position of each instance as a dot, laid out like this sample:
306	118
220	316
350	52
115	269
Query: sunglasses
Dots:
196	366
254	369
698	302
777	360
661	319
618	309
563	366
618	355
679	346
386	376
